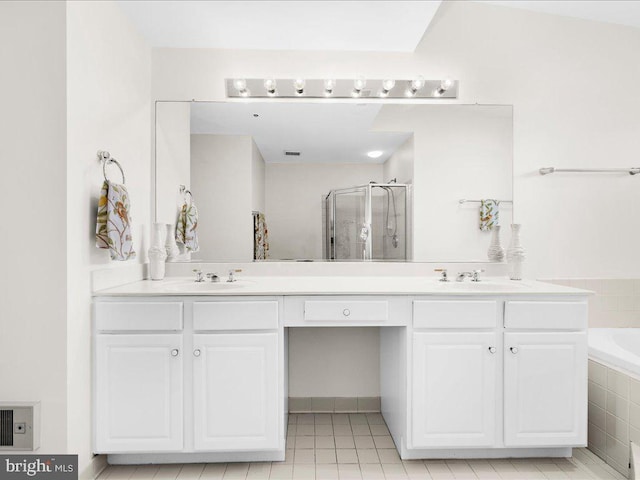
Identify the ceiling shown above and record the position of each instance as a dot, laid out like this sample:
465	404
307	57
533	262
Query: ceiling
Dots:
380	26
323	133
625	12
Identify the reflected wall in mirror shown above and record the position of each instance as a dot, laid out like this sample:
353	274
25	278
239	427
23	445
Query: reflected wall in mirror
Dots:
334	181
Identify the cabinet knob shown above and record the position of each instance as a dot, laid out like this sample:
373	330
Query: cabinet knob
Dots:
196	352
514	350
346	312
492	349
175	352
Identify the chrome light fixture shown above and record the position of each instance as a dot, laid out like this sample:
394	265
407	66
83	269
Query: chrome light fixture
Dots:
359	88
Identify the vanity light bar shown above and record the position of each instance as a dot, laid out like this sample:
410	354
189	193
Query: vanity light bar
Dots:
359	88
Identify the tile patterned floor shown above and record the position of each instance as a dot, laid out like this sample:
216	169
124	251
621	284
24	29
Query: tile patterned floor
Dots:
358	446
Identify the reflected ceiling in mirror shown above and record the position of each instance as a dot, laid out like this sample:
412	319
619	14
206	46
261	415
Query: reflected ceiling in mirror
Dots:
264	177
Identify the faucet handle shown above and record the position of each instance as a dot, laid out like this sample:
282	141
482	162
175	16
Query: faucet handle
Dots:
443	272
231	274
476	274
199	277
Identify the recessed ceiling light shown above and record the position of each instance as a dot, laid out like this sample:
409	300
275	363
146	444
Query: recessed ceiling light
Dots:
374	154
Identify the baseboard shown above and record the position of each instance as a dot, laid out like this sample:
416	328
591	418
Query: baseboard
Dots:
95	468
334	404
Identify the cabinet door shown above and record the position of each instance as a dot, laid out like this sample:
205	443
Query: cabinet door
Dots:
235	378
138	393
545	389
454	389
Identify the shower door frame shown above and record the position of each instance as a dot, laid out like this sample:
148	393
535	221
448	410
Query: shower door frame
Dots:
368	218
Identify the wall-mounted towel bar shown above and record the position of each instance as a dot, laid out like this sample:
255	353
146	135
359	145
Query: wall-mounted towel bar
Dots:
106	158
630	171
464	200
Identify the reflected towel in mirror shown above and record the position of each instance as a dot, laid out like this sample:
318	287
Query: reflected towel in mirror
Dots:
489	214
260	237
186	234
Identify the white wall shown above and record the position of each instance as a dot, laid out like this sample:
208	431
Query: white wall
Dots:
294	203
221	185
173	158
257	179
33	149
554	70
400	164
461	151
108	74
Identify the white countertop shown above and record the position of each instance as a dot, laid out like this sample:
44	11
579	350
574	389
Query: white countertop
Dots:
331	285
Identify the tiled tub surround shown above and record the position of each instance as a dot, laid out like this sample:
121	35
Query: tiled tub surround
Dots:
615	303
614	414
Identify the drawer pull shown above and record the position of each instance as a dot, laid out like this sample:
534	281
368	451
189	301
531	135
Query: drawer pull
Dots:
492	349
346	312
514	350
196	352
175	352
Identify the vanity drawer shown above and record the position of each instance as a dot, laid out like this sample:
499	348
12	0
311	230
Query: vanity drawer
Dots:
455	313
345	311
138	316
548	315
246	315
353	310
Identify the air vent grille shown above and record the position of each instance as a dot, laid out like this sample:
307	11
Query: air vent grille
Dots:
6	428
291	153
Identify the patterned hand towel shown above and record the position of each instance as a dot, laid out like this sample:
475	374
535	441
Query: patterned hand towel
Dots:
261	238
489	214
186	235
113	226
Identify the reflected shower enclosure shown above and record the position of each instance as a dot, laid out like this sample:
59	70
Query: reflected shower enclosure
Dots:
367	222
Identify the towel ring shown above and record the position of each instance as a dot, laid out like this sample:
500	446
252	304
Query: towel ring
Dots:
105	158
184	192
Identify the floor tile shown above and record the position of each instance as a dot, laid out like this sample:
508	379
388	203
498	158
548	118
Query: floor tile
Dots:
167	472
344	442
379	430
349	472
346	455
235	471
367	455
342	430
259	471
375	419
324	429
145	472
306	419
323	419
304	456
325	442
393	471
364	441
360	429
340	419
305	429
281	472
304	472
384	442
192	471
372	472
358	419
325	455
305	442
388	455
327	472
214	471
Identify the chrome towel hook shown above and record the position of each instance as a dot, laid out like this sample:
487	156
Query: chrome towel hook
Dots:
105	158
184	192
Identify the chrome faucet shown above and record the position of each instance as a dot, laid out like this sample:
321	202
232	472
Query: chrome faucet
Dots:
199	275
475	275
232	273
213	277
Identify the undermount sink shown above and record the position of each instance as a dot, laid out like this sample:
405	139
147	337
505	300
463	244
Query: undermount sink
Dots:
193	286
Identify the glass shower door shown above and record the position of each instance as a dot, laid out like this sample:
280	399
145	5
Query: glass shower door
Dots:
351	235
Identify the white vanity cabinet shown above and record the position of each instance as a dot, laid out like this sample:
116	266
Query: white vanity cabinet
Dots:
138	392
209	383
236	376
454	389
545	373
496	374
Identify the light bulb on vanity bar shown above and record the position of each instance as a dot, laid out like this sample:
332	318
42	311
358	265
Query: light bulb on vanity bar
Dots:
445	85
270	86
358	84
329	85
298	85
387	85
240	84
415	85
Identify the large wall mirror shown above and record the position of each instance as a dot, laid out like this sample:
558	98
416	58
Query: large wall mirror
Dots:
297	181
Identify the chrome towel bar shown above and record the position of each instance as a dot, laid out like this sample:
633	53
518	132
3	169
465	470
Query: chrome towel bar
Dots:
630	171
